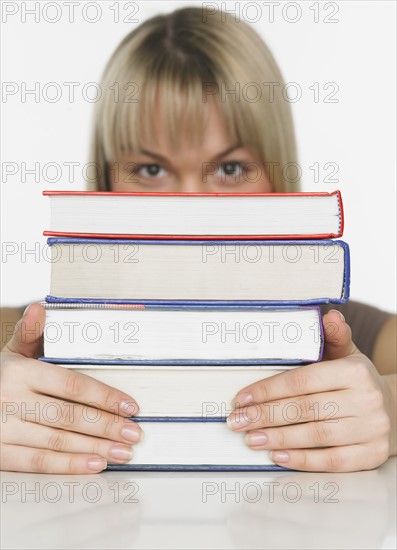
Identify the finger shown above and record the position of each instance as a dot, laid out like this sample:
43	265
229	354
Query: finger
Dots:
75	417
308	379
337	336
44	437
311	435
306	408
26	339
16	458
348	458
68	384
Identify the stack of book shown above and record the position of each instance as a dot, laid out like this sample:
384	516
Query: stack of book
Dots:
181	300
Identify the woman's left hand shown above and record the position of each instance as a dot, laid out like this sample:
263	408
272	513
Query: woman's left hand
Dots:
331	416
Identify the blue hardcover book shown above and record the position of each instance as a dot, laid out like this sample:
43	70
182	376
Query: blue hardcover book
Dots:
193	444
209	272
137	334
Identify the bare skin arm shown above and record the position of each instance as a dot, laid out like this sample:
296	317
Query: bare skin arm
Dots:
385	350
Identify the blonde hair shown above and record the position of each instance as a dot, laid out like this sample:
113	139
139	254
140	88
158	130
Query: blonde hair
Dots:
179	61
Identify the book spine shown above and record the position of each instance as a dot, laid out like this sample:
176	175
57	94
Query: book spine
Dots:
165	305
341	214
51	241
211	195
49	299
195	468
224	238
180	362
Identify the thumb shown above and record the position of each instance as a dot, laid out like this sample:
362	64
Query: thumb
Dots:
26	339
337	336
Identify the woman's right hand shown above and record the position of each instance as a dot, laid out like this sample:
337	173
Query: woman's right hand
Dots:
56	420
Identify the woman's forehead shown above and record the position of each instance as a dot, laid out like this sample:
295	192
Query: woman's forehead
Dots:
211	133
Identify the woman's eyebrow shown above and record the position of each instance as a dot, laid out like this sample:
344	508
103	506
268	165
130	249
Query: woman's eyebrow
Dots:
227	151
217	156
153	154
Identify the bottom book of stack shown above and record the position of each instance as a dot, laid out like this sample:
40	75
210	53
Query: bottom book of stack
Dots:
188	443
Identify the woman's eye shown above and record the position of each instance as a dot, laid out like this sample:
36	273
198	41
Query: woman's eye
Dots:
231	169
150	170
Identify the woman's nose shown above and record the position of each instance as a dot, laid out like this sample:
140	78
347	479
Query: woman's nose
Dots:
190	185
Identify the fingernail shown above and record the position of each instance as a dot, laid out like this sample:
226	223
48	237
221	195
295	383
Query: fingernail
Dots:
280	456
256	438
242	399
120	453
130	407
96	464
237	421
340	314
26	310
131	433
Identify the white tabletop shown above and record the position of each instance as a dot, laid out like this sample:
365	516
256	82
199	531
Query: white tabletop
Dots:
200	510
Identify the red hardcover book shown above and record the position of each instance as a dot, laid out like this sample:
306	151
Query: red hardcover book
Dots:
196	216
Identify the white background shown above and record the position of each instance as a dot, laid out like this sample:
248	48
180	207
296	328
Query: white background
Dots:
357	133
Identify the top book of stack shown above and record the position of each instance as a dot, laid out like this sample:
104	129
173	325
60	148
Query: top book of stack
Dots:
195	216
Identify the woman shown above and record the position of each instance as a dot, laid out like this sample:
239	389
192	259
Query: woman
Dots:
183	92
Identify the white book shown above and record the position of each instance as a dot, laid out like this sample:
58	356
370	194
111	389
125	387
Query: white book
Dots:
176	390
193	444
278	215
261	271
185	334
